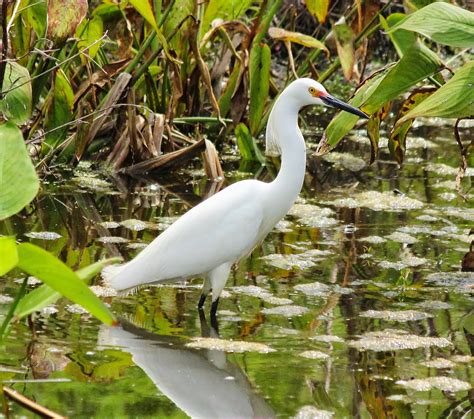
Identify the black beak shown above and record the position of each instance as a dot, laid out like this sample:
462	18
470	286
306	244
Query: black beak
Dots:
339	104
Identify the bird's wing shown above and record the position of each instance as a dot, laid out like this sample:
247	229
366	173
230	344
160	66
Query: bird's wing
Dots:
221	229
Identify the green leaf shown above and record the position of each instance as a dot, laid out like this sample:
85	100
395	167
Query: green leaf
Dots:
19	183
37	13
345	47
247	145
259	84
442	22
16	103
455	99
416	65
144	8
64	16
297	38
90	31
225	10
229	91
60	111
318	8
44	266
44	295
9	254
401	39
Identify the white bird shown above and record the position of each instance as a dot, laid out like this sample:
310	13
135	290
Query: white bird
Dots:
208	239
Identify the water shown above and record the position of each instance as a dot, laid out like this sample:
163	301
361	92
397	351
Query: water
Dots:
344	298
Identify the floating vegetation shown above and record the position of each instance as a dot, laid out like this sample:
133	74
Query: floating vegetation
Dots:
396	316
311	412
313	216
112	239
137	245
229	345
287	311
439	363
419	142
89	180
395	340
328	338
76	309
343	161
262	294
103	291
43	235
445	170
400	237
462	282
319	289
109	224
434	305
379	201
407	262
314	355
372	239
135	225
5	299
441	383
427	218
164	222
288	261
462	359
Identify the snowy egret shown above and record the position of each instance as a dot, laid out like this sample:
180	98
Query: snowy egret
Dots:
212	236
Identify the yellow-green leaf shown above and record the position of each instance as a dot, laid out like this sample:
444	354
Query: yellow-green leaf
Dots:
64	16
44	266
297	38
318	8
345	47
16	102
9	254
259	84
19	183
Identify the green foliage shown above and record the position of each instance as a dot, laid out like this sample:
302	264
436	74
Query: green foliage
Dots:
19	182
259	84
64	16
9	257
45	295
247	145
318	8
443	23
16	102
41	264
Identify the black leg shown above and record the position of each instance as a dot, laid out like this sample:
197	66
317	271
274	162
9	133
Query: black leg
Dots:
205	330
202	300
214	308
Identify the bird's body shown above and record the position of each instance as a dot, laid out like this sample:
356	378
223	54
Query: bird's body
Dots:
208	239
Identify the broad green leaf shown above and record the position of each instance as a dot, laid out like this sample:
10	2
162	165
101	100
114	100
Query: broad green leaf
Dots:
297	38
225	10
175	17
90	31
44	266
228	93
16	103
259	84
9	254
345	47
60	111
442	22
416	65
247	146
64	16
345	121
37	14
18	180
401	39
455	99
144	8
396	140
44	295
318	8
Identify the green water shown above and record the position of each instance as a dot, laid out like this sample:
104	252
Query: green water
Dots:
69	363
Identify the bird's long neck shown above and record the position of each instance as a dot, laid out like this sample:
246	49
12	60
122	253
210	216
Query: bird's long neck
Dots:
289	181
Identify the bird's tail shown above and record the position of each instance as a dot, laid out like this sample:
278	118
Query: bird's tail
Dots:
119	277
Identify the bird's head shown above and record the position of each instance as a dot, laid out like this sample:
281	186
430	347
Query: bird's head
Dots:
307	91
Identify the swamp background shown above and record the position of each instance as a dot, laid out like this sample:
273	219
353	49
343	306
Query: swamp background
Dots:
117	117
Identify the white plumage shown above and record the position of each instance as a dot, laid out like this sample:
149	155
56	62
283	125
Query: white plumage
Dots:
211	237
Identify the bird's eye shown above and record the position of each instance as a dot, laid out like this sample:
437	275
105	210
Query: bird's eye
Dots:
312	90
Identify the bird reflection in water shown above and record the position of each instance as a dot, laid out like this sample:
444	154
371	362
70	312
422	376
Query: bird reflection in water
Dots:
202	383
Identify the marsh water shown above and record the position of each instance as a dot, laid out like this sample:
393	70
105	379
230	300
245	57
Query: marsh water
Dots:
354	306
